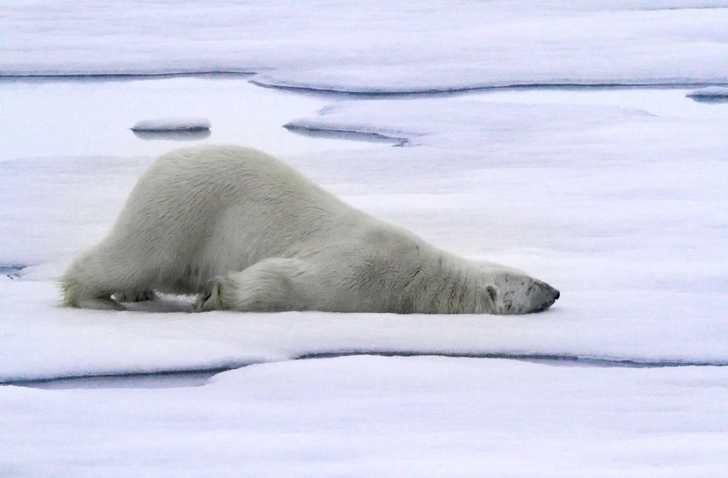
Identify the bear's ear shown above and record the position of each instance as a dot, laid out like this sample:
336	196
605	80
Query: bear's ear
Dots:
492	293
488	300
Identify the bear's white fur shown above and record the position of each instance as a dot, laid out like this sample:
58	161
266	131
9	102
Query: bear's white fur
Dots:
244	231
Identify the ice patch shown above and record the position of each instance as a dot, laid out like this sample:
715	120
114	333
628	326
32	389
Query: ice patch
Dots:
359	134
167	125
709	92
175	135
433	121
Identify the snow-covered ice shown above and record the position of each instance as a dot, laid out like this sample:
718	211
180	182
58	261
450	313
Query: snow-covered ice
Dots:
375	416
620	207
604	202
47	118
374	46
172	124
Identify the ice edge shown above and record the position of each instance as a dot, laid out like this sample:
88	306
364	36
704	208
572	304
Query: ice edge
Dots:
544	359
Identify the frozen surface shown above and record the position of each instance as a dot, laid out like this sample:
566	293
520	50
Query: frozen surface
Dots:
620	203
51	118
377	46
172	124
374	416
602	202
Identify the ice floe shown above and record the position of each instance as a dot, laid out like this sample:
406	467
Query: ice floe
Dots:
377	47
604	202
709	92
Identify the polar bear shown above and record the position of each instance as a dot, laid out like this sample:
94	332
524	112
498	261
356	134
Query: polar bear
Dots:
244	231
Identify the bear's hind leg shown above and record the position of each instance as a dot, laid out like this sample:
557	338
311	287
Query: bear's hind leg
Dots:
92	280
271	285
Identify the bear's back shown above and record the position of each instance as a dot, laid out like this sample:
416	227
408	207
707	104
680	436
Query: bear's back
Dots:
231	203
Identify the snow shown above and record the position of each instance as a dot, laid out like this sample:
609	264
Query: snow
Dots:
172	124
621	205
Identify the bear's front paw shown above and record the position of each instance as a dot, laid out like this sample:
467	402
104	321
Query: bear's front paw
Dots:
210	300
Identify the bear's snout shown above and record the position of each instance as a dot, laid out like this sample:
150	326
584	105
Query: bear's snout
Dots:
549	295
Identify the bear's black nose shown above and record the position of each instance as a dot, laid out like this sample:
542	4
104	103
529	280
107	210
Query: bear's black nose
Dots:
557	295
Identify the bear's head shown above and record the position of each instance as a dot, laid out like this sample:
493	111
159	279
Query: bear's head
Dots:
510	291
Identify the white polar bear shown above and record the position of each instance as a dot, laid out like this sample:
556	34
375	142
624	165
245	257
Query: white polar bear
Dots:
246	232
